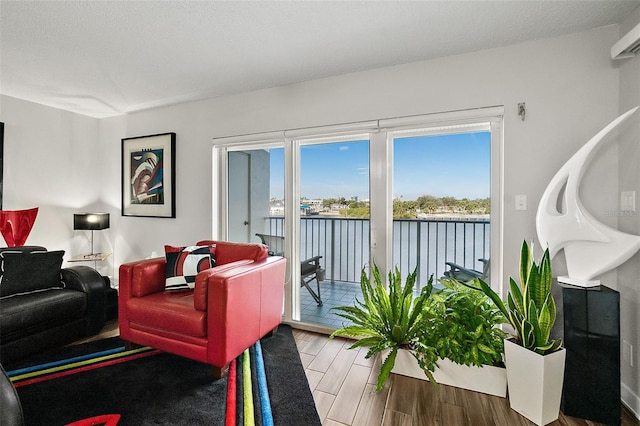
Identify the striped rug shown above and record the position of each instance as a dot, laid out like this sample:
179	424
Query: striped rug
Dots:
243	398
66	367
242	392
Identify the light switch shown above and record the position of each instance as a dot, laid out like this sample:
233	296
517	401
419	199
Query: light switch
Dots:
521	202
628	201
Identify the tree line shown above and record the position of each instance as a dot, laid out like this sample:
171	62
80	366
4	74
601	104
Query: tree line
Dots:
410	209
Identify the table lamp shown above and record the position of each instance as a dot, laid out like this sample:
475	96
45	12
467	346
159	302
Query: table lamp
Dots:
91	222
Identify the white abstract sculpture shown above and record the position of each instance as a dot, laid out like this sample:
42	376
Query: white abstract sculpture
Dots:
590	247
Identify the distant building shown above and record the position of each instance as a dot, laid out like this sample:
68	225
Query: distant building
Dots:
276	208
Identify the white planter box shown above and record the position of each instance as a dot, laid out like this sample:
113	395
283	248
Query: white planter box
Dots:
535	382
487	379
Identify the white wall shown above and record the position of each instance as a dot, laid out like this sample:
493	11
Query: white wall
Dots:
628	283
570	86
50	162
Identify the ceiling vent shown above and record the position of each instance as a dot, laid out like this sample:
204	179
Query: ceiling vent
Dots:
628	45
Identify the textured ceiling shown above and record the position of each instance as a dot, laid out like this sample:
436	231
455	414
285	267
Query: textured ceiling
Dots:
105	58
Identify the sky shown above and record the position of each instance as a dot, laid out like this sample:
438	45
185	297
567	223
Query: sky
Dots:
453	165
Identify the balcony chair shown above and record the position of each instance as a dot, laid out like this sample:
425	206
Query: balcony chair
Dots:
310	269
464	275
222	311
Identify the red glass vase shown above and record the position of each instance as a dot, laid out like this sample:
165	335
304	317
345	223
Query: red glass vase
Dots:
15	225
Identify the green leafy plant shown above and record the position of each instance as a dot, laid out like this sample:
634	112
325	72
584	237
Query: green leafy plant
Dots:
466	325
390	319
530	307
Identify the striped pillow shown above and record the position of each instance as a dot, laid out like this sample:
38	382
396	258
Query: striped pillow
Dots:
184	263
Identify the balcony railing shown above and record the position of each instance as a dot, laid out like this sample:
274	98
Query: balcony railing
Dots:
425	244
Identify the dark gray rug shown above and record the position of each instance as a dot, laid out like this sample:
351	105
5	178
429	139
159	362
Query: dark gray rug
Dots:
155	388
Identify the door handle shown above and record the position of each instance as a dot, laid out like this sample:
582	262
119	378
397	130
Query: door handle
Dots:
246	222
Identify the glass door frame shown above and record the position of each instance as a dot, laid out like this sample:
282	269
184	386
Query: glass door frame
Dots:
293	226
220	203
490	119
380	134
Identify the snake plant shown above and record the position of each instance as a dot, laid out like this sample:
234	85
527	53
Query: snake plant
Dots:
530	307
389	320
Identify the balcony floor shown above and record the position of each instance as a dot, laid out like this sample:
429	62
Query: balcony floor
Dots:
337	293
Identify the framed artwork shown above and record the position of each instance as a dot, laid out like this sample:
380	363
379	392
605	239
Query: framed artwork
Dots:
148	176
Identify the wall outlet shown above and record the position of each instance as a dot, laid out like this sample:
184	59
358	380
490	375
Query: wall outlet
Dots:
521	202
628	201
627	352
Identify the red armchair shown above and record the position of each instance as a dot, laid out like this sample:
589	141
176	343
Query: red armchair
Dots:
232	306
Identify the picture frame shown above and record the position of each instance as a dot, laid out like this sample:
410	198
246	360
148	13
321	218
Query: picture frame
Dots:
148	176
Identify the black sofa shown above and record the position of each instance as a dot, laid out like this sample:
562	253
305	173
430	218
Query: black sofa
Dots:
11	412
44	305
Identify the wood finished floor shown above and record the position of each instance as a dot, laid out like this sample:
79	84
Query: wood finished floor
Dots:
343	386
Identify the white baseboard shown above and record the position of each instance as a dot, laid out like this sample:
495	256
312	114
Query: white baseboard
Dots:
630	399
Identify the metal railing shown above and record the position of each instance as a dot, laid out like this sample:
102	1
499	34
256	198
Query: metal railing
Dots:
425	244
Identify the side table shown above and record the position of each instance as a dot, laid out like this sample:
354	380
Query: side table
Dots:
94	257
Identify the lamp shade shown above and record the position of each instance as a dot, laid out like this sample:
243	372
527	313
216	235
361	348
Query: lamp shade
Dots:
91	221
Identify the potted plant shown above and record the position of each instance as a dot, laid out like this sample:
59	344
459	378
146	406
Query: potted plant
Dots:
466	335
535	362
388	320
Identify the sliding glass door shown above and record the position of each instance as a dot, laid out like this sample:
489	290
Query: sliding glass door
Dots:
333	226
442	203
413	193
